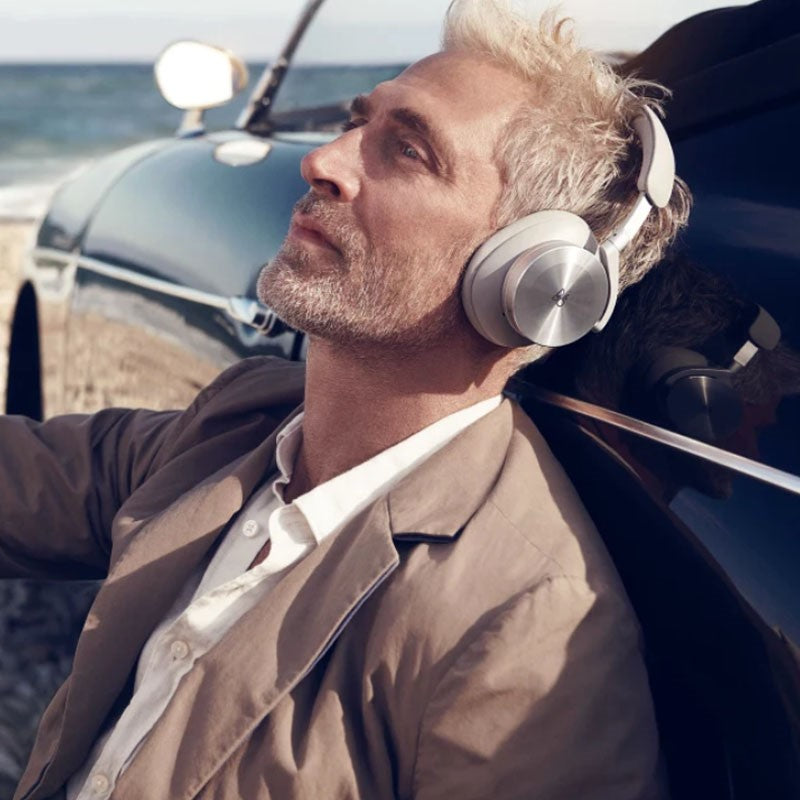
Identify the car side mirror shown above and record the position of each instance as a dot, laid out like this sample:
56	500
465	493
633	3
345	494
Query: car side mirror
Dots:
194	76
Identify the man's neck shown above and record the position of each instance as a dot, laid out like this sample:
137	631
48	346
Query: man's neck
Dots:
357	405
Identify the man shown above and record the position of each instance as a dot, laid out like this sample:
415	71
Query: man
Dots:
393	591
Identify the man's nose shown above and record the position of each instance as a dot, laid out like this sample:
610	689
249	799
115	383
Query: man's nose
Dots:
332	169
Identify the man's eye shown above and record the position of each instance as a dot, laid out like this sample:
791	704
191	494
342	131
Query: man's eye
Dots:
350	124
409	151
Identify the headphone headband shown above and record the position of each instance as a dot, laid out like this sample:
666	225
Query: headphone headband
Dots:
658	161
655	182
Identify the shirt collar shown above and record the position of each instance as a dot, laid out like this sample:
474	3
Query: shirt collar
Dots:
329	506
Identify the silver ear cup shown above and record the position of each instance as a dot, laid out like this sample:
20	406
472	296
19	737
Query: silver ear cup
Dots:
553	294
482	289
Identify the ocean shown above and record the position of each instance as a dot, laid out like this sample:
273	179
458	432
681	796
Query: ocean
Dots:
54	118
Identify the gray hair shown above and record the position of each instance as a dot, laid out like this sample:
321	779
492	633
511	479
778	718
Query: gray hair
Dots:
572	147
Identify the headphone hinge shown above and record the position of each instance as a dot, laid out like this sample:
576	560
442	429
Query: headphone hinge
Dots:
622	236
743	355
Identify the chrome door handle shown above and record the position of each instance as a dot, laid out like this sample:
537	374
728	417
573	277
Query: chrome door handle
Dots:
255	315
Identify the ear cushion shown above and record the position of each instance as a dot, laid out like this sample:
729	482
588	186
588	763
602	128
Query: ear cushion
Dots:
482	286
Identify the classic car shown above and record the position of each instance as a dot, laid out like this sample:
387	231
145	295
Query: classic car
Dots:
141	288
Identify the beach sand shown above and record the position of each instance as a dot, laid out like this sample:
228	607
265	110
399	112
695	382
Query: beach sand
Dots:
15	237
119	364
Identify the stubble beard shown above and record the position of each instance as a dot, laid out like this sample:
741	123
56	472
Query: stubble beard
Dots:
364	295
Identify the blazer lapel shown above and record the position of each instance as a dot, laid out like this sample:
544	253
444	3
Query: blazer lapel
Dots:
262	658
438	498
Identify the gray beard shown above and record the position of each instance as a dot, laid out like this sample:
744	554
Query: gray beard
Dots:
362	294
358	307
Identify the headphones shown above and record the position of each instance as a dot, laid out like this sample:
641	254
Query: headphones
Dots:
544	279
696	398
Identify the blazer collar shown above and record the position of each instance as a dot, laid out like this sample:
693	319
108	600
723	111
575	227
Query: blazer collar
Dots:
437	499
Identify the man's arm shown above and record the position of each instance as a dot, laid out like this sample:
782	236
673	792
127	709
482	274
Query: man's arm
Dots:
549	701
61	483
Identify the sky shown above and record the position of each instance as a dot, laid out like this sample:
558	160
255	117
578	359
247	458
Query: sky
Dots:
354	30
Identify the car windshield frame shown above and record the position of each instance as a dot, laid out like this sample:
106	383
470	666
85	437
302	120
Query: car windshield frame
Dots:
257	110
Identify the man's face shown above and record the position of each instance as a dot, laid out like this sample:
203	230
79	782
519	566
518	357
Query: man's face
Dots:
397	205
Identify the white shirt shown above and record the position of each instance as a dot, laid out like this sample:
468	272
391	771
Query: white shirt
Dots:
223	589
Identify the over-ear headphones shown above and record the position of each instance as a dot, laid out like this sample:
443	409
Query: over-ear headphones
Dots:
698	399
544	279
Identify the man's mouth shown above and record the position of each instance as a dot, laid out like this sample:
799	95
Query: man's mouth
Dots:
307	229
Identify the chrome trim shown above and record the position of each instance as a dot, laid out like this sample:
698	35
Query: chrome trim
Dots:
253	314
677	441
154	284
130	276
271	79
51	252
244	310
54	279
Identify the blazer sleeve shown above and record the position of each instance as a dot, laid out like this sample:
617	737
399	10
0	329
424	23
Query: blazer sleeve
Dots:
61	483
550	701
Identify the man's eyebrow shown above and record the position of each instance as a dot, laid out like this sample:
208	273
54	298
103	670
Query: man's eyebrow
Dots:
360	104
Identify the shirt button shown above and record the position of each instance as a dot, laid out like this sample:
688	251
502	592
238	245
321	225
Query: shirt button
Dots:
100	784
250	528
179	649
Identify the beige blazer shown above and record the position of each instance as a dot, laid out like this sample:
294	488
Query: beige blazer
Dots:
464	637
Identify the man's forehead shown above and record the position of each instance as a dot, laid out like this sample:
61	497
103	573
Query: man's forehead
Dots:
456	88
